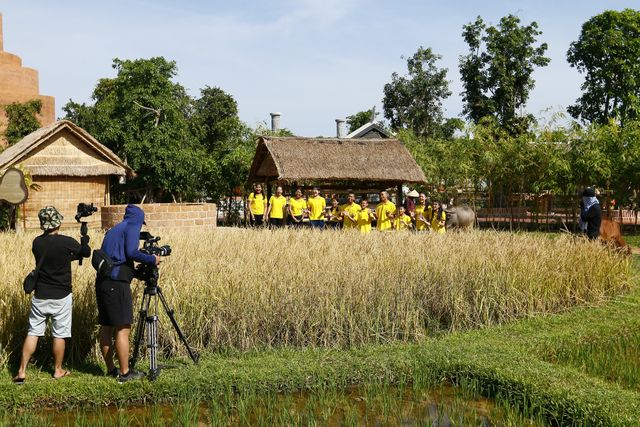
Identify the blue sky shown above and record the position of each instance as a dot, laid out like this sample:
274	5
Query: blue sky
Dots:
312	61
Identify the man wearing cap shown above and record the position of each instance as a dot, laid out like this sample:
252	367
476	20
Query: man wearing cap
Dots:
53	253
591	213
113	293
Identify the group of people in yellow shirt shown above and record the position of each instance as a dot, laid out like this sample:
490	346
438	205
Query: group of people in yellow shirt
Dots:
350	215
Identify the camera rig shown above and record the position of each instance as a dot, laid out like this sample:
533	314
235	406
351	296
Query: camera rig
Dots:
84	210
148	314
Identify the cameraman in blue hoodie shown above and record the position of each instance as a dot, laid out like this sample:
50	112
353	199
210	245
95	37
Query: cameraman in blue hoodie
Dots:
113	293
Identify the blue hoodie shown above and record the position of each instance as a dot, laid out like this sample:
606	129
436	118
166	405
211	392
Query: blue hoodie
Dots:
122	241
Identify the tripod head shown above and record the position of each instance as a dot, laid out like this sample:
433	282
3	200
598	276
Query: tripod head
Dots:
149	274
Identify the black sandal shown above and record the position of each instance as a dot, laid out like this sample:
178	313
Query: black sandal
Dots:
18	381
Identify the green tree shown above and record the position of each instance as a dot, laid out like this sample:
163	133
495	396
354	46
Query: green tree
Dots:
143	116
497	72
608	53
22	119
414	101
228	142
360	119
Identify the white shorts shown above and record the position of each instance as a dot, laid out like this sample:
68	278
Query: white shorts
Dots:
60	312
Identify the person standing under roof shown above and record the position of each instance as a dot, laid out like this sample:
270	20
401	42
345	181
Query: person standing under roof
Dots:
422	213
402	221
316	205
349	212
364	217
410	201
385	212
257	206
334	216
297	207
438	219
275	210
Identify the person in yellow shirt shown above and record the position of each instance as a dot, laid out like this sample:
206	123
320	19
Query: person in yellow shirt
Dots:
422	214
275	210
316	205
364	217
438	219
349	212
334	216
297	207
385	212
257	206
402	221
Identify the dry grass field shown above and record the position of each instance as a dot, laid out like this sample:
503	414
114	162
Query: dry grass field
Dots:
236	289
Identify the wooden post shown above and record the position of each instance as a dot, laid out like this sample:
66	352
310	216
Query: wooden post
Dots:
399	195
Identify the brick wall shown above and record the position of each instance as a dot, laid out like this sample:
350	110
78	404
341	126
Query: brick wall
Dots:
65	193
166	215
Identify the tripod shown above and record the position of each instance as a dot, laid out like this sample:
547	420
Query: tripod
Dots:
148	318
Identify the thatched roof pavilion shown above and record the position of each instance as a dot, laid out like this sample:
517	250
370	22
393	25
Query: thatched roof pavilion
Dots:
365	163
77	153
69	166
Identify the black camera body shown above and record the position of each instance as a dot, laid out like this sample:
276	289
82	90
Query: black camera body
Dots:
84	210
146	272
150	245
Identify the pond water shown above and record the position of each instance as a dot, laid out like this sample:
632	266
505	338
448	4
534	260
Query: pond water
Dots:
370	405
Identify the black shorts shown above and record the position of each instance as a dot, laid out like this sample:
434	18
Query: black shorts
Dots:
335	225
276	222
295	224
257	221
115	304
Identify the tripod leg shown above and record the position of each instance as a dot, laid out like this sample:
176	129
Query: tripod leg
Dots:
142	316
193	355
152	344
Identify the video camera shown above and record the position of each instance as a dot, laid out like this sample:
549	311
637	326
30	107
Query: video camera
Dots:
146	272
84	210
150	245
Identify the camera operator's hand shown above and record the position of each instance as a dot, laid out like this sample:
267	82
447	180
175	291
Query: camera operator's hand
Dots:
158	260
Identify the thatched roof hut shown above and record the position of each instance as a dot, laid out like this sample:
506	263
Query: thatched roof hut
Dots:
73	153
371	163
69	166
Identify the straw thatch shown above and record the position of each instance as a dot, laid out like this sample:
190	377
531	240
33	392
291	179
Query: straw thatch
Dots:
64	149
295	159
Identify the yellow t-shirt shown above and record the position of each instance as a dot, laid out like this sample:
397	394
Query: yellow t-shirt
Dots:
297	205
257	203
425	213
435	223
277	207
363	221
352	209
384	222
402	223
335	214
316	208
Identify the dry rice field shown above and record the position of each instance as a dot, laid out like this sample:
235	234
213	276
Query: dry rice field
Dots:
237	289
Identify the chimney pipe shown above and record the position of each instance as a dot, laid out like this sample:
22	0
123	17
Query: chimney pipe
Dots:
275	122
340	128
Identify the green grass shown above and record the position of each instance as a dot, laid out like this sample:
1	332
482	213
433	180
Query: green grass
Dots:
633	240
